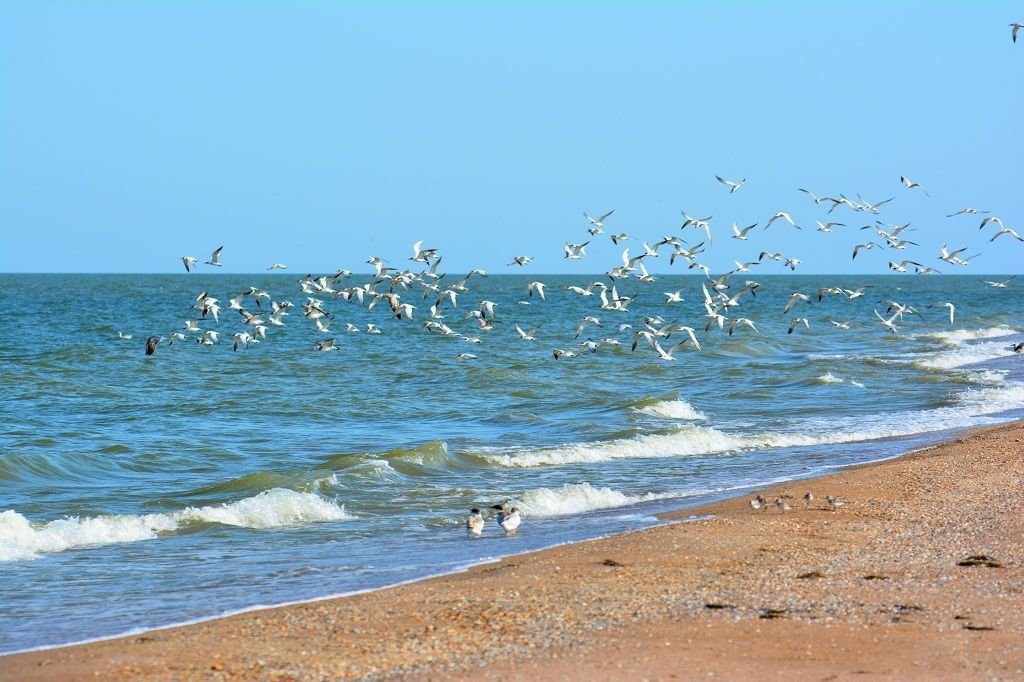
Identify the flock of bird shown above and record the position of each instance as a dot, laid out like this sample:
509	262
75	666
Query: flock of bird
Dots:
400	292
759	503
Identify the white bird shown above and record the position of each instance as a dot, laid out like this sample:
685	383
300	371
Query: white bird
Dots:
277	266
575	251
890	324
526	335
510	522
1009	231
124	337
536	286
943	304
421	255
189	261
866	245
621	237
997	285
744	321
782	505
215	257
741	234
521	260
967	211
839	325
785	216
990	219
910	184
598	221
796	322
666	354
833	502
793	298
827	227
733	186
475	523
902	265
674	296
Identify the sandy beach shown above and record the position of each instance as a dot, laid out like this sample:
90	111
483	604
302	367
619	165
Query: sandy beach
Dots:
918	575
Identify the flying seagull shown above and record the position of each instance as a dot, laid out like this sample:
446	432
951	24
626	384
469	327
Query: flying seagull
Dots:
190	262
215	257
733	186
151	343
1014	28
910	184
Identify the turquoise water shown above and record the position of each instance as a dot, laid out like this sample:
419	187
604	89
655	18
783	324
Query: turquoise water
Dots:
143	491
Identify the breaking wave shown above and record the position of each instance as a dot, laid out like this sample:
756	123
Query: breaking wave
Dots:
575	499
24	539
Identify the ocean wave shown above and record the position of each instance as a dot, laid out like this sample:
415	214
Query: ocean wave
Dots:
967	354
829	378
971	409
23	539
958	337
672	409
575	499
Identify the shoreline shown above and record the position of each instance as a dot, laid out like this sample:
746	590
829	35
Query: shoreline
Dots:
448	624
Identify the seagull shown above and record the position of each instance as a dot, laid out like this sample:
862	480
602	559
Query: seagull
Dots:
621	237
866	245
733	186
190	262
277	266
827	227
967	211
475	522
785	216
796	322
782	505
151	343
793	298
808	498
598	221
833	502
990	219
1009	231
902	265
758	503
743	321
575	251
674	296
536	286
421	255
509	521
741	234
997	285
215	257
1014	28
943	304
521	260
526	335
839	325
890	323
124	337
910	184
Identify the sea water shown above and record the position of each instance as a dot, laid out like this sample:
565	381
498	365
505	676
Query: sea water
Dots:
138	492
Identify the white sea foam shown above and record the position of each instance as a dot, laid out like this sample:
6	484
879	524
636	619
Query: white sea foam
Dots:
22	539
690	440
575	499
673	409
829	378
967	354
957	337
972	409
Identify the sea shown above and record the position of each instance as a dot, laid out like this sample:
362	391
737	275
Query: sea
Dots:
138	492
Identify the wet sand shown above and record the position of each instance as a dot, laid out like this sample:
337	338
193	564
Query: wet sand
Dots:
872	589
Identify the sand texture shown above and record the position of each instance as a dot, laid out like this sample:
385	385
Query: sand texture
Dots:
872	589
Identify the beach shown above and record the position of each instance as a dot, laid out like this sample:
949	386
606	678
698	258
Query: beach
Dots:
918	574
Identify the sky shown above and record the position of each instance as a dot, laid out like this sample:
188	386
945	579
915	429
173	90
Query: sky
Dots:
318	134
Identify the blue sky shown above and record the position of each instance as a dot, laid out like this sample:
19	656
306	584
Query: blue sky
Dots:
318	134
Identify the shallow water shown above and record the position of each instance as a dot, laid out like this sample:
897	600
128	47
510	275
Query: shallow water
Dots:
137	492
